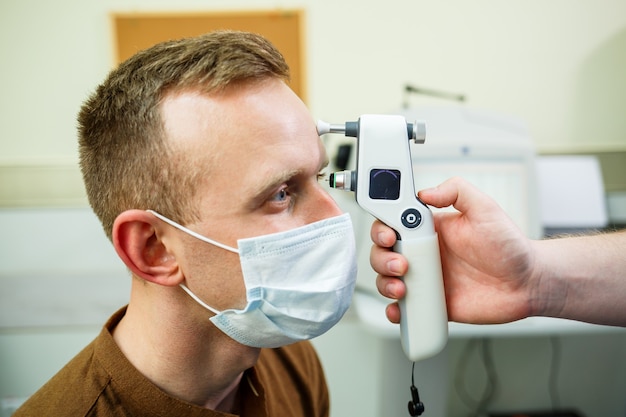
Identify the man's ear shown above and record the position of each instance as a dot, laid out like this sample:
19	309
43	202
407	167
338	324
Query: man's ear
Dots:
137	239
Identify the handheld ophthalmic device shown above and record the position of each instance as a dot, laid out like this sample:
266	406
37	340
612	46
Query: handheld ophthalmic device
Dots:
384	187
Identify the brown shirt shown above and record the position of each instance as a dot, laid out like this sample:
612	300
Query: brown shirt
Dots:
100	381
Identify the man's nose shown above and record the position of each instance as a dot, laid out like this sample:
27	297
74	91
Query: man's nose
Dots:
325	205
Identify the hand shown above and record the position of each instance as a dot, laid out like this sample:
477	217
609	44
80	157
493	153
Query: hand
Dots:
486	260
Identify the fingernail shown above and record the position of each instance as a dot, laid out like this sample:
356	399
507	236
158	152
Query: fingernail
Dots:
394	266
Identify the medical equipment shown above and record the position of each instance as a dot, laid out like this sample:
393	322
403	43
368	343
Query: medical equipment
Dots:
384	187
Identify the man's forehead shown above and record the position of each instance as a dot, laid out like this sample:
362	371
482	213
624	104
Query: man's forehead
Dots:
267	133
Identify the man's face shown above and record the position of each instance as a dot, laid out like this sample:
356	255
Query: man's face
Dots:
264	154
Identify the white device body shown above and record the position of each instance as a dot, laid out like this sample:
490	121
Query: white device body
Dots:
383	148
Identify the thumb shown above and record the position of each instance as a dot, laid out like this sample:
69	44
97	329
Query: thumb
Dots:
455	192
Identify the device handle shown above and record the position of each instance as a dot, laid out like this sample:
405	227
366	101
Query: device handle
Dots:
424	318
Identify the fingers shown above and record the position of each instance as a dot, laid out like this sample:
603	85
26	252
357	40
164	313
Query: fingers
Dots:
384	261
445	194
455	192
390	287
393	313
382	235
389	265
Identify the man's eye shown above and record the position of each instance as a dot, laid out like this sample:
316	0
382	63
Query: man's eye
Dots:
322	176
281	195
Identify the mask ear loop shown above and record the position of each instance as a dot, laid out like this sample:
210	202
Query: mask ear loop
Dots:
198	300
202	238
192	233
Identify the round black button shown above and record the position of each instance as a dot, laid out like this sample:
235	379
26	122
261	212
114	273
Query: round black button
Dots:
411	218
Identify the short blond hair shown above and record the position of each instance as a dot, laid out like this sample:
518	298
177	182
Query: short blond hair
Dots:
124	158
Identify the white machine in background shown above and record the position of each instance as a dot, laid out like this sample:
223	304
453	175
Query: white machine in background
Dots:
492	151
562	181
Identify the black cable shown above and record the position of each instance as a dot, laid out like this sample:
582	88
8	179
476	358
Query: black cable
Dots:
415	406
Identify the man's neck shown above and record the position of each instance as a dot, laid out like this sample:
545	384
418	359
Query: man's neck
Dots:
197	364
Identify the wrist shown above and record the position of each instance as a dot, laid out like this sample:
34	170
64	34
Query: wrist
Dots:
547	290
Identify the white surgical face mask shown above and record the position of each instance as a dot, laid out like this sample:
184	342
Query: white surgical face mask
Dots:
299	283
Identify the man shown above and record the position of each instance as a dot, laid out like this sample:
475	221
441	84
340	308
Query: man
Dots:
494	274
203	167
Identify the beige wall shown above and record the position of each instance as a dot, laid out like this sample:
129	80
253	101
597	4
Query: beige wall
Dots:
559	65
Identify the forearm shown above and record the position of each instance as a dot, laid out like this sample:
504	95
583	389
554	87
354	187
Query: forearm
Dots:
581	278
